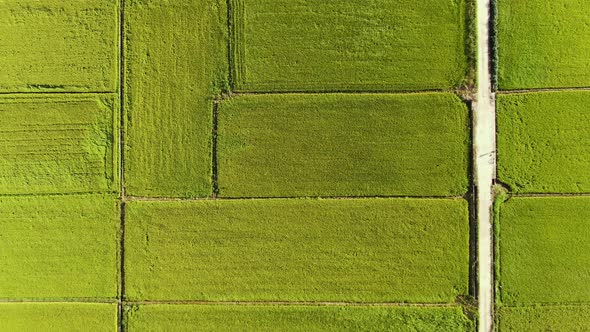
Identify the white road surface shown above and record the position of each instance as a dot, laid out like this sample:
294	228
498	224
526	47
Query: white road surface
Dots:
485	166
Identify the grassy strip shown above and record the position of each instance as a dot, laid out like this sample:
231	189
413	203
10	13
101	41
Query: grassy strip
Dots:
493	35
294	318
501	195
176	62
60	46
542	142
543	250
544	318
343	145
283	45
360	250
55	317
470	81
534	40
59	247
58	144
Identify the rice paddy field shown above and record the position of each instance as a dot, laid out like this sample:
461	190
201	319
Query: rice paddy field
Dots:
357	45
356	250
542	140
541	219
534	43
213	165
276	145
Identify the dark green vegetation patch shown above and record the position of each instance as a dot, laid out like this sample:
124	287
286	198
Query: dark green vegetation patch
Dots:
59	247
543	44
359	250
542	142
544	319
58	317
343	145
543	250
310	45
49	45
58	144
294	318
176	61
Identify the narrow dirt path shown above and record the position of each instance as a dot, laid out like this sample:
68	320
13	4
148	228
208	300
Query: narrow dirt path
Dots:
485	167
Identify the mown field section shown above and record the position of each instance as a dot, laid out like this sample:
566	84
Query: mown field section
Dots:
543	142
55	317
262	318
544	250
58	144
52	45
310	45
543	44
175	62
343	145
558	318
59	247
357	250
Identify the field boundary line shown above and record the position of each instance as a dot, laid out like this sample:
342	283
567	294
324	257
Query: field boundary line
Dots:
238	93
122	124
343	198
85	193
299	303
214	141
41	93
61	300
540	195
521	91
548	304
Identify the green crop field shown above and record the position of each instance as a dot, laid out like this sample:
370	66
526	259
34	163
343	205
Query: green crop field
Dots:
58	144
544	319
237	165
543	44
176	60
543	250
54	317
308	45
50	45
541	139
543	156
294	318
361	250
58	247
343	145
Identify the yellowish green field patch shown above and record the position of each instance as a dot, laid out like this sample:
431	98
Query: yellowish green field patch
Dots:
59	144
59	247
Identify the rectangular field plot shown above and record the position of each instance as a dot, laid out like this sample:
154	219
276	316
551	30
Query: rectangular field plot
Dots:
294	318
343	145
544	318
59	247
50	45
176	61
543	142
58	144
58	317
544	250
543	44
360	250
309	45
